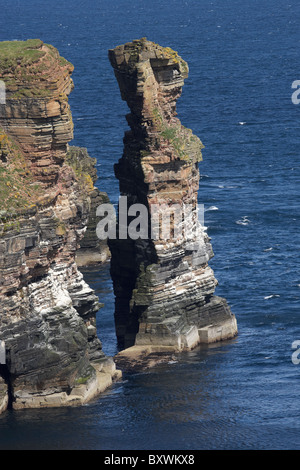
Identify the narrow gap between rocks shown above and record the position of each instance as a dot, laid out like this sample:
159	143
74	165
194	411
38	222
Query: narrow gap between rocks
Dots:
6	375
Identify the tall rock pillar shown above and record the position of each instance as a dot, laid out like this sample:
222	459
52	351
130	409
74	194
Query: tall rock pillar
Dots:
163	285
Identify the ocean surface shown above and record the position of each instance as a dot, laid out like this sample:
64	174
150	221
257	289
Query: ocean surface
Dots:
243	57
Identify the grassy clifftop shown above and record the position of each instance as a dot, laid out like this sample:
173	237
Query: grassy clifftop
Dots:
31	68
14	53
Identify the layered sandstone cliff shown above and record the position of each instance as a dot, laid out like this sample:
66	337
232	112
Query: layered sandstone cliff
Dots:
92	249
164	287
50	353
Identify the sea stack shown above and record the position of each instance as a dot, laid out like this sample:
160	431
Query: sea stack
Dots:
164	287
50	354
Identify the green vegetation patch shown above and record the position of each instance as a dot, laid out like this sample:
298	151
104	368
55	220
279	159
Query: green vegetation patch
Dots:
83	166
187	146
13	53
28	68
18	190
85	376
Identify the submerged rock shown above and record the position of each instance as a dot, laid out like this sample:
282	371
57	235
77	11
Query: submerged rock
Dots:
164	287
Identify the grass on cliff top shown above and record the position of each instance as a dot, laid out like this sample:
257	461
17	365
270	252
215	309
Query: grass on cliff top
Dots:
17	187
25	52
27	70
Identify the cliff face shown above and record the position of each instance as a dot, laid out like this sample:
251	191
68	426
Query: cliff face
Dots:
47	316
164	287
92	249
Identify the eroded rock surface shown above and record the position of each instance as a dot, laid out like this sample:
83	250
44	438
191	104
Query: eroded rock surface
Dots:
47	311
164	288
92	250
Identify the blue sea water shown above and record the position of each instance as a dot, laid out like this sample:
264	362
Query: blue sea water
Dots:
243	57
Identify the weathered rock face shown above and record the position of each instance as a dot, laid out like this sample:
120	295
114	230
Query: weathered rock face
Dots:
47	313
92	249
164	287
37	113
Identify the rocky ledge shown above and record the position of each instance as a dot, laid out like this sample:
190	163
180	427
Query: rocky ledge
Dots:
164	287
50	354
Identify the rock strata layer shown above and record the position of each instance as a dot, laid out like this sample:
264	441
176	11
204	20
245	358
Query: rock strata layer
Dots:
47	313
164	287
92	250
